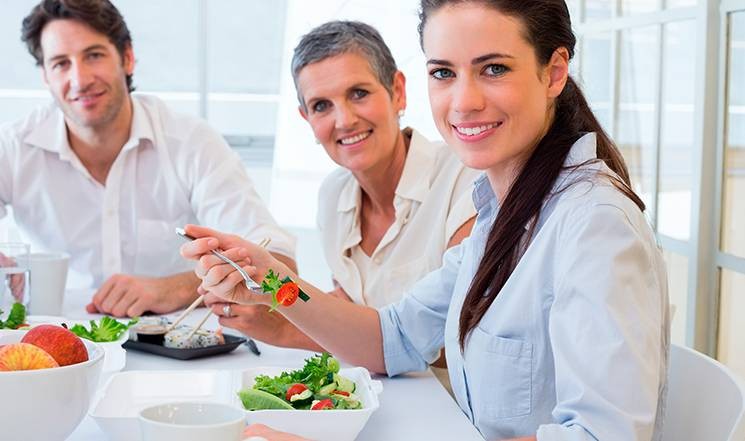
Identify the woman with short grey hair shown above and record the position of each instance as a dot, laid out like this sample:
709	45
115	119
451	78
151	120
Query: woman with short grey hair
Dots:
396	203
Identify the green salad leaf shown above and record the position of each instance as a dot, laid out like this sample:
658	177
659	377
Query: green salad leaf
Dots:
16	317
107	330
318	371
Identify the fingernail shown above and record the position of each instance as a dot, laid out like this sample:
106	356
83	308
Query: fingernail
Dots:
243	252
213	242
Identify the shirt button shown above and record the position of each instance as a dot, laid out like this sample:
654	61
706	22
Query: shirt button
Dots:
377	260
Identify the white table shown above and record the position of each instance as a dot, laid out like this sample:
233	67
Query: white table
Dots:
412	407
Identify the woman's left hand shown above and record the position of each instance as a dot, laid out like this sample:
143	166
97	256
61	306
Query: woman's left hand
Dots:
256	432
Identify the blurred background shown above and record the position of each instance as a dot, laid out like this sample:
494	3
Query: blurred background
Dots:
665	77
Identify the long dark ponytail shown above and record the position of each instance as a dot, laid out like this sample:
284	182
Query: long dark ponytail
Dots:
547	28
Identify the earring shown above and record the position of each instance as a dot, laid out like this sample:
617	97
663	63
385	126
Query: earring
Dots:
318	142
401	113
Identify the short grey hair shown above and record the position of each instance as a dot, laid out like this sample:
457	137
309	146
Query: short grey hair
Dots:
341	37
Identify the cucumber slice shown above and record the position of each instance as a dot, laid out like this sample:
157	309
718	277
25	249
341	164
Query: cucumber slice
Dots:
254	399
304	395
327	389
344	384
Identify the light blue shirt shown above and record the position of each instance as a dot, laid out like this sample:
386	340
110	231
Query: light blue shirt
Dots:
575	346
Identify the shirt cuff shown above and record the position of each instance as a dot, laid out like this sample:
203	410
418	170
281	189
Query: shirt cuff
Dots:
398	353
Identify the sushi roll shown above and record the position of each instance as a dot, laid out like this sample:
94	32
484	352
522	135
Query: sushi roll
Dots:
201	339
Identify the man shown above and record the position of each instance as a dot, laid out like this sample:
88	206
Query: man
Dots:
107	176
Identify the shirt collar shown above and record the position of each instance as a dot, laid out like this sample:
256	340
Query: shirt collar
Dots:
583	150
416	176
51	133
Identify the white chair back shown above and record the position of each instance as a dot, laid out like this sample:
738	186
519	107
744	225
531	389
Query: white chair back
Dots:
705	401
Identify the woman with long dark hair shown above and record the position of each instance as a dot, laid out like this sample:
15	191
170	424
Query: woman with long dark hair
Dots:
554	313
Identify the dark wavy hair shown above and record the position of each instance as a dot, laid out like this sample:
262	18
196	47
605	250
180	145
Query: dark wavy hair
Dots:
100	15
546	27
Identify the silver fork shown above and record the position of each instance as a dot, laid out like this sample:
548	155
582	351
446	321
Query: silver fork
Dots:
250	283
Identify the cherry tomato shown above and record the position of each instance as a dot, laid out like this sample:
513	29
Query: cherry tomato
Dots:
323	404
288	293
295	389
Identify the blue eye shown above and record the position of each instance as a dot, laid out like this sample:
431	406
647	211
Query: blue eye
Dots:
320	106
442	74
496	70
359	93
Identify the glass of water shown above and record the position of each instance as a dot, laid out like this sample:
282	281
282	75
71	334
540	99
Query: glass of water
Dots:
14	274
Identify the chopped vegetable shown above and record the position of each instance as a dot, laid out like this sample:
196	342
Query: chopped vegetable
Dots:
322	404
107	330
296	389
284	292
16	317
287	294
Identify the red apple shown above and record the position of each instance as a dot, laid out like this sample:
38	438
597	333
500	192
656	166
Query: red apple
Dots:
25	357
60	343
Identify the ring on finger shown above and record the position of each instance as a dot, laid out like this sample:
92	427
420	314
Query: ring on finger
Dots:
226	310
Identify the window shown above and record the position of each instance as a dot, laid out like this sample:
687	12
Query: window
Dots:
733	203
218	59
731	257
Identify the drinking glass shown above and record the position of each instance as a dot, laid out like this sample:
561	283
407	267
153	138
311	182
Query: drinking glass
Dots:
14	274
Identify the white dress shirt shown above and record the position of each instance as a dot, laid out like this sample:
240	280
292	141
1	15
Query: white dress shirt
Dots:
173	170
575	346
432	200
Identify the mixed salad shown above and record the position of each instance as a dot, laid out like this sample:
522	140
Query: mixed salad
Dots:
106	330
317	386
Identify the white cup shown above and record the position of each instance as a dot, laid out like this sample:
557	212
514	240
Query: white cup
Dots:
192	422
47	280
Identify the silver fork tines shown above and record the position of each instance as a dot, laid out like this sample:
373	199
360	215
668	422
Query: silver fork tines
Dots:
250	283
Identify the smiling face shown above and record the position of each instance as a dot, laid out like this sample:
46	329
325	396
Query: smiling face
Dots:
85	73
490	97
351	113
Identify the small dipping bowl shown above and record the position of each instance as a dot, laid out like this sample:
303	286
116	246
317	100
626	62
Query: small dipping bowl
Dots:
187	421
150	330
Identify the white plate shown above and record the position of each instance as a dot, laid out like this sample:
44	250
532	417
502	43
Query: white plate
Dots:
328	425
127	393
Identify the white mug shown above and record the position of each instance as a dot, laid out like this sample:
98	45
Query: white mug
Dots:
48	278
192	422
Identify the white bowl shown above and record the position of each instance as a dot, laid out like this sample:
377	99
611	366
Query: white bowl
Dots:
191	422
47	404
327	425
127	393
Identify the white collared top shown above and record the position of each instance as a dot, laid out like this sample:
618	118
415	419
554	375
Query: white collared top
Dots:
432	200
173	170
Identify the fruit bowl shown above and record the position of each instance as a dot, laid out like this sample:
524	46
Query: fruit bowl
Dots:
47	404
